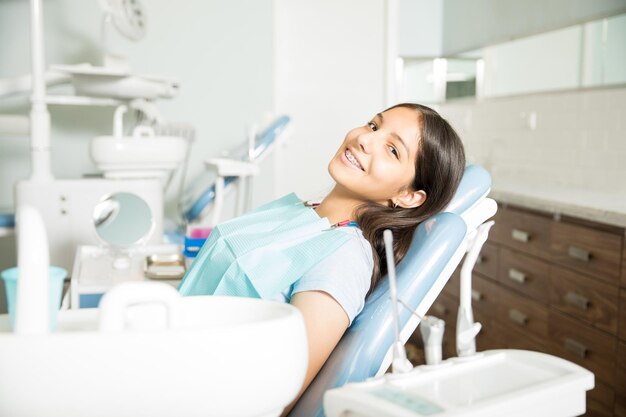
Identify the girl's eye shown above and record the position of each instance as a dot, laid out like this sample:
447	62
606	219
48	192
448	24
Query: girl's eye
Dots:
373	126
394	151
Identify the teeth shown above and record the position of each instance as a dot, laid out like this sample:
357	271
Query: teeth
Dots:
352	159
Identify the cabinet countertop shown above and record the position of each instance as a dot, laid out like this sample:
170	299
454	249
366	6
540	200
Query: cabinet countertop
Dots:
576	202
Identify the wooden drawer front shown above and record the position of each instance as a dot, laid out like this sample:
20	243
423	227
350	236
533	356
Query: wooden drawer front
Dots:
594	301
452	287
584	345
445	308
514	338
523	231
485	296
600	400
587	250
523	314
487	262
622	314
524	273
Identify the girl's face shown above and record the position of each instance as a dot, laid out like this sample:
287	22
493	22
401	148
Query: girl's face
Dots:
376	161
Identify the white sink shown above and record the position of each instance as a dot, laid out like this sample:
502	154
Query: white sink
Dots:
226	356
491	384
138	156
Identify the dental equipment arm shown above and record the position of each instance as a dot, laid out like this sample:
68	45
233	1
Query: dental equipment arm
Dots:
400	364
466	329
228	168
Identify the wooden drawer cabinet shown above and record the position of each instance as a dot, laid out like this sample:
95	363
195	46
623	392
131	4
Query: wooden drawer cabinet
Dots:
522	313
487	262
524	273
557	286
523	231
591	300
588	347
593	252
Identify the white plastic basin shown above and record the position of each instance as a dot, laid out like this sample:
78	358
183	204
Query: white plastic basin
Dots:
495	383
137	156
226	357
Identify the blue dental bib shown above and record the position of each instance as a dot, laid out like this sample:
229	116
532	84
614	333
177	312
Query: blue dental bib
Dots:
262	252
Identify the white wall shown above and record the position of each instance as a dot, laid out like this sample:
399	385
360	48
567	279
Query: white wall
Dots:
330	76
220	51
420	28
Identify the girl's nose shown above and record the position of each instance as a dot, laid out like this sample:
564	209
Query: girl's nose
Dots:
365	141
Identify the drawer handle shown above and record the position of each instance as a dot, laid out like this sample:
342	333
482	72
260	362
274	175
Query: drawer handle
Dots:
577	300
476	295
575	347
518	317
440	309
517	276
520	235
579	253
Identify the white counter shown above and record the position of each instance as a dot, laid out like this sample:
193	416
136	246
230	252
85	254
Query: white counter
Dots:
575	202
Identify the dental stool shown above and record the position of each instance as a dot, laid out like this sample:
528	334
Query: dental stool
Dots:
438	246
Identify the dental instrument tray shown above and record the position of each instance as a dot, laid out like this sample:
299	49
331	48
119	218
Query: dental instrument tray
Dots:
117	83
98	268
165	266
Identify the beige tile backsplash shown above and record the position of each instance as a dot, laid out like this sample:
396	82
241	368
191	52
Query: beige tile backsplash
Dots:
575	139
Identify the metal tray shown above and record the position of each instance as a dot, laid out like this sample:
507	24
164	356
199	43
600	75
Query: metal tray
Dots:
165	266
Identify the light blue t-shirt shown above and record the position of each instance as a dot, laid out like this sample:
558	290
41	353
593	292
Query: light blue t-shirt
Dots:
345	274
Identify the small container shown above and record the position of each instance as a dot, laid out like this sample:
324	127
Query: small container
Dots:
165	266
56	276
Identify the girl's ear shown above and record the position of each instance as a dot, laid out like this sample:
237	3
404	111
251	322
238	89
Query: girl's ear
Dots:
410	199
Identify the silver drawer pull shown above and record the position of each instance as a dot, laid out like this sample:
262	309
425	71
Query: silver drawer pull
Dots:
575	347
480	260
476	295
518	317
577	300
578	253
520	235
440	309
517	276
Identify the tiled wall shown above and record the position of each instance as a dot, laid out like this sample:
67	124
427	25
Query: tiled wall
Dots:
575	139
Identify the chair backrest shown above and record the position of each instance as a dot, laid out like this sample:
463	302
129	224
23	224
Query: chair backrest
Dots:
438	246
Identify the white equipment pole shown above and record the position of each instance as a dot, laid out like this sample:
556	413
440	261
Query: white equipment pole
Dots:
39	116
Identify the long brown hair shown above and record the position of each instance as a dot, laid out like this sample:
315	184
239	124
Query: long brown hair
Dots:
438	170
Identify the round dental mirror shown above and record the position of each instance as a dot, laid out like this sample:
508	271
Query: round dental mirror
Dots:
122	219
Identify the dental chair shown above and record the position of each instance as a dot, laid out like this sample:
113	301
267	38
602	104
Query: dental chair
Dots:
438	245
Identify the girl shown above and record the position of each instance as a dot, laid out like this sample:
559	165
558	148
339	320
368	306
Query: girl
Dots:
395	171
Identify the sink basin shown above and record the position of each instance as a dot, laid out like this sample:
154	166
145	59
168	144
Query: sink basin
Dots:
138	156
492	383
227	356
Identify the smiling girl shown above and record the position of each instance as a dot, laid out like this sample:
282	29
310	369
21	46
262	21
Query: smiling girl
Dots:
393	172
